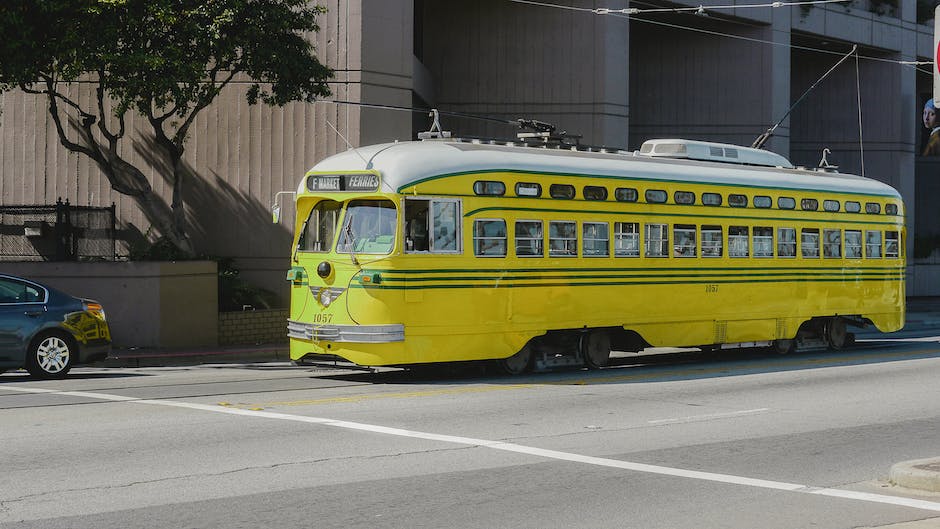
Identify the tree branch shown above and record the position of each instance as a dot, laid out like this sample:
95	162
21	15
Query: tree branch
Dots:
205	100
102	126
54	112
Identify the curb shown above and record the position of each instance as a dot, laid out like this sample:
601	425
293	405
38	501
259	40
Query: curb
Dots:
156	358
920	474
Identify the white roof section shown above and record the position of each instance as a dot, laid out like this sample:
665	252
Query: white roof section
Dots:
402	164
713	152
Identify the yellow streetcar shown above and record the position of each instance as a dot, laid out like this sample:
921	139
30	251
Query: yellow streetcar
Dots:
448	250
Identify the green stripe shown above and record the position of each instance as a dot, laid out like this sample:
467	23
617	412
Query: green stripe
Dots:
854	269
638	276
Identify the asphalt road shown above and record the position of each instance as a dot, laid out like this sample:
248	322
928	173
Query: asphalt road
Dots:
666	440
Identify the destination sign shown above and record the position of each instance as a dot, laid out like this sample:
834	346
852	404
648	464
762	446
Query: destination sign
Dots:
348	182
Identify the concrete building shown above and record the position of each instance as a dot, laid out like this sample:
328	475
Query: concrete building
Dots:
722	75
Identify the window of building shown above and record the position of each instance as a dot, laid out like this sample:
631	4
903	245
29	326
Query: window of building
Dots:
595	193
762	201
873	208
656	196
737	201
891	209
596	237
809	204
626	239
853	244
711	199
786	242
852	207
657	240
489	188
684	235
832	244
562	238
809	243
831	205
684	197
489	238
891	244
737	241
625	194
786	203
561	191
873	244
711	241
529	238
528	189
763	241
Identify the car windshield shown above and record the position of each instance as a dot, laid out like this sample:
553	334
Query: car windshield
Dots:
368	228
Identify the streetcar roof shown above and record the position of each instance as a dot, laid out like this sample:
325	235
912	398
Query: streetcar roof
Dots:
403	164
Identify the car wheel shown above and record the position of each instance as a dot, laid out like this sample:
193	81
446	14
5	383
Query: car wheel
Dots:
50	356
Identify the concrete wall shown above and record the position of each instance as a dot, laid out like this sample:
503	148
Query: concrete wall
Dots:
148	304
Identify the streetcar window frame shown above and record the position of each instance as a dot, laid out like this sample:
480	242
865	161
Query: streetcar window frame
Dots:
626	242
786	243
712	241
892	244
853	244
763	241
590	242
809	204
562	191
489	188
536	242
711	199
684	197
423	226
786	203
523	187
566	240
626	194
658	246
852	206
873	244
595	193
685	237
832	243
763	202
736	200
481	237
809	243
656	196
319	229
739	242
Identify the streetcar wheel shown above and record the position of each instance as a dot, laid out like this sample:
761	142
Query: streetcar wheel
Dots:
50	356
784	346
836	335
595	349
518	363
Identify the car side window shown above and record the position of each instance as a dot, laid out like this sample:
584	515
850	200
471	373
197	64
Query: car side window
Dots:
17	292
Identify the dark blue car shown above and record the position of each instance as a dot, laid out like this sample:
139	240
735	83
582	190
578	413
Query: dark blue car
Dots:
47	331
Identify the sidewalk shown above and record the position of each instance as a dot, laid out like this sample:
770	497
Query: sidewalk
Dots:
922	313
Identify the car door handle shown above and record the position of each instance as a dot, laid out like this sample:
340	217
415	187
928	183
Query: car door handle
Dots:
34	313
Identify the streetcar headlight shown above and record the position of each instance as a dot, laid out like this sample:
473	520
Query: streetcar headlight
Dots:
329	295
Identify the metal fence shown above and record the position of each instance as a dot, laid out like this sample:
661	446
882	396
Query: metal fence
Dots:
60	232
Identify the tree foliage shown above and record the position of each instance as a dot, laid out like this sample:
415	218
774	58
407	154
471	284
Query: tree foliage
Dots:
166	60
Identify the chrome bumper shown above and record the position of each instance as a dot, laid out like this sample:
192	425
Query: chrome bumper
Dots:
346	333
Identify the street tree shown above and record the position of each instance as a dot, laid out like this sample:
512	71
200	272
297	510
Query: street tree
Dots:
166	60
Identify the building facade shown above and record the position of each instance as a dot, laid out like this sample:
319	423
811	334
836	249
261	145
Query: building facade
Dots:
722	75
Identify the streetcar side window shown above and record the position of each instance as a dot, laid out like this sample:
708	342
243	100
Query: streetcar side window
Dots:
656	196
562	238
489	238
432	225
852	207
809	204
596	239
594	193
737	241
657	240
786	242
529	238
853	244
891	209
737	201
831	205
684	235
873	244
625	194
711	199
832	244
626	239
809	243
763	201
711	241
320	228
561	191
786	202
892	242
763	240
684	197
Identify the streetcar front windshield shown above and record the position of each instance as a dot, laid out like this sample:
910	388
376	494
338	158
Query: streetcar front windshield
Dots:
320	227
368	227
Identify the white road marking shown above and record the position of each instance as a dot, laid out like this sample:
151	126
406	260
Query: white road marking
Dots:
708	417
512	447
